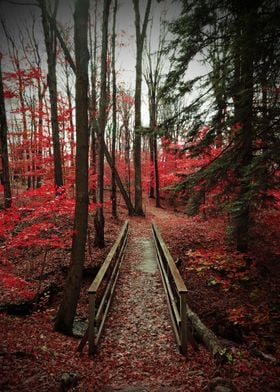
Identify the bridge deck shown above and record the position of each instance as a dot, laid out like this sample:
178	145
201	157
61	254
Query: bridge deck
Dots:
138	330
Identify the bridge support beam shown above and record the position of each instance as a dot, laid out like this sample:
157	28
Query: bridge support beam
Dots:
91	325
183	325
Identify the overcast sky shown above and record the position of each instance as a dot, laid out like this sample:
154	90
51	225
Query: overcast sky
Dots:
17	17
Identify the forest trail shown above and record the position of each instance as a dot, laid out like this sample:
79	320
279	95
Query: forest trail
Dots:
138	346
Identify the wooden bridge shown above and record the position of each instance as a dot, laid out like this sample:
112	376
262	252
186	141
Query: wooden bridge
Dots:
102	289
101	293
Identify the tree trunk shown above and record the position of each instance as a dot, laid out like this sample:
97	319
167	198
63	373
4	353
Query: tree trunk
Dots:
127	158
50	42
208	337
153	117
140	37
93	102
25	152
125	195
99	216
152	171
114	130
69	100
67	310
152	75
244	116
156	172
5	175
39	150
42	88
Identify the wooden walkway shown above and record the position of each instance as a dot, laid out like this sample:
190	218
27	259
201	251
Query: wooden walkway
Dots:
138	351
138	328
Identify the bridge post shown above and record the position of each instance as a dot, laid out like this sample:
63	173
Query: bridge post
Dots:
91	325
183	326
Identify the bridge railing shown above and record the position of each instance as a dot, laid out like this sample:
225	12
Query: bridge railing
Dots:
175	290
101	291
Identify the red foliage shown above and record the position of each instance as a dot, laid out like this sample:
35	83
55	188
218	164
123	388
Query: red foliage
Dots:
31	222
18	288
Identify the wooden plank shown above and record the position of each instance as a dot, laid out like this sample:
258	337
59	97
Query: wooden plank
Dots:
117	250
98	335
168	288
91	325
101	273
181	287
169	272
112	279
173	321
183	326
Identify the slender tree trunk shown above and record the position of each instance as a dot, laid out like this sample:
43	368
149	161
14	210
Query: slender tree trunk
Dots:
124	194
114	130
67	310
5	175
25	152
50	42
152	169
99	215
69	100
93	103
126	197
42	88
152	76
140	37
244	116
39	149
127	158
156	173
137	138
153	120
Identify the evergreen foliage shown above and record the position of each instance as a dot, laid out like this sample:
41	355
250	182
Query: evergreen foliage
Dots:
238	99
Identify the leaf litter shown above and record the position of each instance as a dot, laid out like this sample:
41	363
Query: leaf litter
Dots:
138	348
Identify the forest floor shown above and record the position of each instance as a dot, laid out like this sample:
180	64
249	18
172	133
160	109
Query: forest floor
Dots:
236	295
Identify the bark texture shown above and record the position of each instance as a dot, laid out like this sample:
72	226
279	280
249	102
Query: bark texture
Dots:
140	37
50	42
4	171
99	215
67	310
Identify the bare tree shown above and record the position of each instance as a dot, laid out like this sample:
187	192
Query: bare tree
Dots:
153	76
67	310
93	95
140	37
114	95
99	216
5	175
71	62
32	56
14	54
50	42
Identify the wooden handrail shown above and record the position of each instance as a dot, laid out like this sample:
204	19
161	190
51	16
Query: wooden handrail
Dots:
107	275
175	290
101	273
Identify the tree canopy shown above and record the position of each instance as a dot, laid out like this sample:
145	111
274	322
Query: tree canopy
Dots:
234	118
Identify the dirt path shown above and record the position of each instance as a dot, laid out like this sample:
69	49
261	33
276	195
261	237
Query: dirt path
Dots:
137	351
138	347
